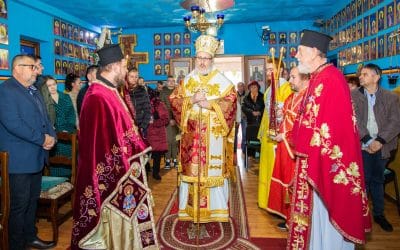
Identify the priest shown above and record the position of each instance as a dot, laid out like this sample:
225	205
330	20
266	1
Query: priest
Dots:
113	204
329	203
205	108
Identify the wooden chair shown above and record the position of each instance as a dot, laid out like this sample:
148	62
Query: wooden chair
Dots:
251	142
390	176
57	191
4	200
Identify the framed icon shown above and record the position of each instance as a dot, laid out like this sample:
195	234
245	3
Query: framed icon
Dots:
157	54
177	38
390	15
167	38
255	69
3	9
157	69
3	33
180	67
157	39
381	46
57	67
381	15
187	52
186	38
4	61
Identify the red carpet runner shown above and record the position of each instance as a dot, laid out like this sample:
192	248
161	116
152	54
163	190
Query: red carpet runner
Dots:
175	234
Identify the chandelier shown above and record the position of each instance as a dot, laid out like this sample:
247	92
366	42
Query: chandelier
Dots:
198	21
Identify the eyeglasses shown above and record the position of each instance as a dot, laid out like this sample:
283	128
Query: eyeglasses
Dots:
203	58
32	66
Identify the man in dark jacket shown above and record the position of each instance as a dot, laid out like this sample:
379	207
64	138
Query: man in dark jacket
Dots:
140	100
91	72
378	118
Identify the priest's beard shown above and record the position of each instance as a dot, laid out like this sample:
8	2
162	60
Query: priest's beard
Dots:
303	68
119	81
203	71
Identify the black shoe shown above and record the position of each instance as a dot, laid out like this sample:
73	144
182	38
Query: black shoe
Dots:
157	177
282	226
148	169
40	244
385	225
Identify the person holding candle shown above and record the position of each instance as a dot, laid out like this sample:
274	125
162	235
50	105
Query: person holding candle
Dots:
274	97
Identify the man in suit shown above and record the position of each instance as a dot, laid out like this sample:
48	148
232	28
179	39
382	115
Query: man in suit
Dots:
27	134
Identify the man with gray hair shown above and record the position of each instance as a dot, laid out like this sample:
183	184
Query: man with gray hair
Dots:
329	166
27	134
378	118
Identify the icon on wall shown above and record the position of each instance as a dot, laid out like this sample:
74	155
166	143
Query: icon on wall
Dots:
56	27
3	33
157	39
3	59
167	38
157	69
186	38
3	8
57	67
186	52
177	38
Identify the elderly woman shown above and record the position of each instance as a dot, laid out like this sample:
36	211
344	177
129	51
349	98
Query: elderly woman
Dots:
253	107
253	104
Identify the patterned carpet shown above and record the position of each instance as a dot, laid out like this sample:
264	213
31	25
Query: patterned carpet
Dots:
175	234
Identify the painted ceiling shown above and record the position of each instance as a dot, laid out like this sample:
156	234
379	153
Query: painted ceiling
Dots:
164	13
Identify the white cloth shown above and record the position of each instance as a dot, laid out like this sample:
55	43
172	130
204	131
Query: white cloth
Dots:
323	234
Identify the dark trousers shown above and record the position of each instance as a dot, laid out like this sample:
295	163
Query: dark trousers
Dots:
374	168
156	155
24	195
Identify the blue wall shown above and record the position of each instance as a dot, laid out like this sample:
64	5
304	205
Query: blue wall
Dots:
34	20
239	39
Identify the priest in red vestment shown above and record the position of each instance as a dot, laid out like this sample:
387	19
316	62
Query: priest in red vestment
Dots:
280	191
113	204
329	204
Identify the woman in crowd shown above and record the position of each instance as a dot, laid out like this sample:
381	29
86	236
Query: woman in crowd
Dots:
157	131
253	107
64	114
73	84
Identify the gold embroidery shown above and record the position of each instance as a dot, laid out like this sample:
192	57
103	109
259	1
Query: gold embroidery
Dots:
88	192
315	140
217	131
194	86
215	167
336	153
325	131
318	90
344	175
215	157
341	178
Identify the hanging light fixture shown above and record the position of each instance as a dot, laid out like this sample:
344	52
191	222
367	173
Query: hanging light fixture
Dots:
198	21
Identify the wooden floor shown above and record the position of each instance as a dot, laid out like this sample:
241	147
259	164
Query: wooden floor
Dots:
260	222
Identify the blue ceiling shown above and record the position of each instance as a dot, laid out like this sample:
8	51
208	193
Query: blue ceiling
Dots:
164	13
